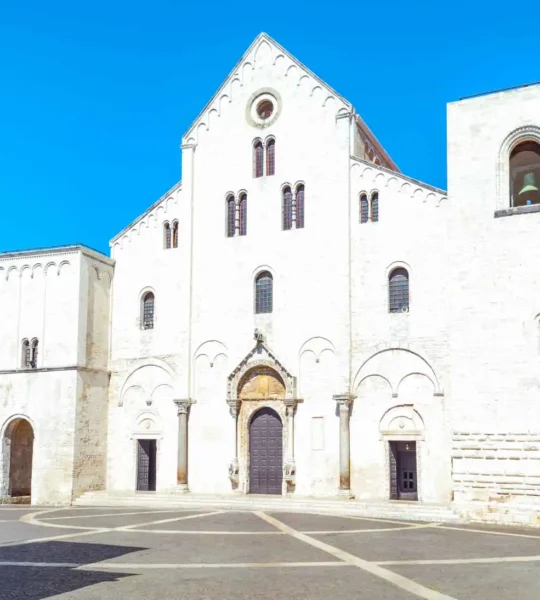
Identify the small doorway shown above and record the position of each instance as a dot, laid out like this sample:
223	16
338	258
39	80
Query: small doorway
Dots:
265	453
20	437
146	465
403	472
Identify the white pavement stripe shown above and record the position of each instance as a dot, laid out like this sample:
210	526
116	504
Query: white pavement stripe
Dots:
181	531
371	530
197	516
53	538
119	565
508	533
124	514
398	580
462	561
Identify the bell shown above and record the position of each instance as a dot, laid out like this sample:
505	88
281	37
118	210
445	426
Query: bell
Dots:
529	184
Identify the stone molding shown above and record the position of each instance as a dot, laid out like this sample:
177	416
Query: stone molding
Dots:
183	405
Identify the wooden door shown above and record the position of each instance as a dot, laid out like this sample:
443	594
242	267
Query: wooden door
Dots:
266	453
403	471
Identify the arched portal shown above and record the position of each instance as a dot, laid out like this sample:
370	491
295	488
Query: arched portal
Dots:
18	455
265	452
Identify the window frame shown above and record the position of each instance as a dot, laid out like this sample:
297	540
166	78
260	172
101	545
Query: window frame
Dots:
167	235
144	324
270	157
230	215
262	305
394	306
258	158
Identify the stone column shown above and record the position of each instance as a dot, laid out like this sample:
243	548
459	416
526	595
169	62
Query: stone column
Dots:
344	402
182	460
234	465
290	465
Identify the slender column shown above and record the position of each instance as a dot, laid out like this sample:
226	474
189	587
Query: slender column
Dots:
234	465
182	459
344	402
290	465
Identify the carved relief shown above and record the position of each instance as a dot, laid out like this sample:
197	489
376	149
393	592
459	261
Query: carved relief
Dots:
261	383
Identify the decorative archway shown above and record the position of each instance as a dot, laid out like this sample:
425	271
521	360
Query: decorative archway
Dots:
17	458
260	381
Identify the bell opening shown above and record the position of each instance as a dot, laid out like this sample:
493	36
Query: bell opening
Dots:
525	174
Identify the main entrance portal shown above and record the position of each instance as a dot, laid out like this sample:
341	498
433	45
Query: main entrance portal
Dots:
266	453
146	465
403	474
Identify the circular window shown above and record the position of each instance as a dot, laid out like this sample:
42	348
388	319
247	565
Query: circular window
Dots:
265	108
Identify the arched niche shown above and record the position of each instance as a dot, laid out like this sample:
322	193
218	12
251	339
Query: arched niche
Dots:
402	423
261	383
17	458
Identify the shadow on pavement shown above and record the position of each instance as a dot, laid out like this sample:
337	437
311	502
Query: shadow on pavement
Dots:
34	582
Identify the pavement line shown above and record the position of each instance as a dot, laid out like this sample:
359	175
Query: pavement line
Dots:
119	565
140	512
52	538
197	516
382	520
371	530
399	581
462	561
204	532
508	533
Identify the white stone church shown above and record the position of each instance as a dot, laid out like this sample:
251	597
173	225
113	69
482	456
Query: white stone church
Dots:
295	316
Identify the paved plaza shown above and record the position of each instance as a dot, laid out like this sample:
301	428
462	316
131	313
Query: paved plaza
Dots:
102	553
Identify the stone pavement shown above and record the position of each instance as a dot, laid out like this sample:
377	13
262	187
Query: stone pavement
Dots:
214	554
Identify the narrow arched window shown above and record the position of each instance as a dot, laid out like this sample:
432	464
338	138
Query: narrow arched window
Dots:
263	293
525	174
271	157
166	235
300	207
364	209
25	354
231	216
398	288
375	206
148	302
34	354
242	210
287	208
258	159
175	234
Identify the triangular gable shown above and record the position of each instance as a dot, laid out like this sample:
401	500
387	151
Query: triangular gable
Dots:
249	60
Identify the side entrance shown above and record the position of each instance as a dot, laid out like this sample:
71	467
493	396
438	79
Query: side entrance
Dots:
403	471
265	453
146	465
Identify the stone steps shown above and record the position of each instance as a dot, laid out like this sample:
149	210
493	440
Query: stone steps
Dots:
407	511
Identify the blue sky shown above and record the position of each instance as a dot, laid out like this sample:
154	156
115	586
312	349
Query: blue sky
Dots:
95	97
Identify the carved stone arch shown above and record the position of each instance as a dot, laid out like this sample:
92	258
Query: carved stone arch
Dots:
527	133
134	379
13	271
402	422
394	365
147	425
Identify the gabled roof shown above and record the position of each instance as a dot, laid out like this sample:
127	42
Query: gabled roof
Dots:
264	37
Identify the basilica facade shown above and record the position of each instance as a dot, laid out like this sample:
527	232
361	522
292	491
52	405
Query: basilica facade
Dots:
295	316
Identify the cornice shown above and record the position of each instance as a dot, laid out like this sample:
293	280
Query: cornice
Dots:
54	251
53	370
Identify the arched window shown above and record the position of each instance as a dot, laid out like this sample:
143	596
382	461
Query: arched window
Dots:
166	235
258	159
271	157
398	288
175	234
364	209
148	311
525	174
287	208
375	206
26	356
231	216
243	214
34	354
300	206
263	293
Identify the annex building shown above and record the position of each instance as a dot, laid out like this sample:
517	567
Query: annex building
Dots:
296	316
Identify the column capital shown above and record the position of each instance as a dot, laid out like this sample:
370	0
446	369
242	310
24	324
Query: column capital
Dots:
344	400
234	406
291	403
183	404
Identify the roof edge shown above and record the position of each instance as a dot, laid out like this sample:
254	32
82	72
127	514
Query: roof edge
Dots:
67	249
174	188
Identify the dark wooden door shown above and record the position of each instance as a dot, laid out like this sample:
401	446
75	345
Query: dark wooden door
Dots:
265	453
404	473
146	465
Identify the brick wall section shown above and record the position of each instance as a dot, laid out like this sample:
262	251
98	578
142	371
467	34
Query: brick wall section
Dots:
502	467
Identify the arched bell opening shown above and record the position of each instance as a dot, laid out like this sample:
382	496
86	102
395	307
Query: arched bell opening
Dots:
18	449
525	174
